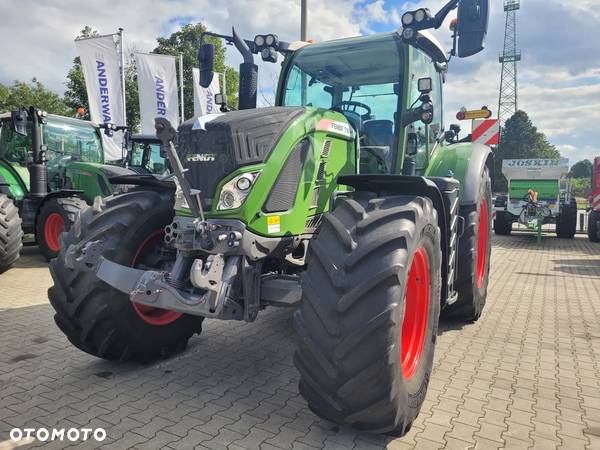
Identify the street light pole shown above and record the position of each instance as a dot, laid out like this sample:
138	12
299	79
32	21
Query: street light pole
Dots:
303	19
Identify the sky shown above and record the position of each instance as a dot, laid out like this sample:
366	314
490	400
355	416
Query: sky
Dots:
559	76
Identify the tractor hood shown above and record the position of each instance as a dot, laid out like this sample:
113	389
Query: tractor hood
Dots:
228	142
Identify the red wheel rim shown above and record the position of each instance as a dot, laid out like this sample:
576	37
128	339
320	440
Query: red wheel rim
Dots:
153	316
54	225
482	243
414	324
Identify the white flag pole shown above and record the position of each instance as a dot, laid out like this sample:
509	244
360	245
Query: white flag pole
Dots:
123	76
181	105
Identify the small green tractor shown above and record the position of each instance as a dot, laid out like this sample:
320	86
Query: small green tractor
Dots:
50	166
144	155
594	214
347	200
539	193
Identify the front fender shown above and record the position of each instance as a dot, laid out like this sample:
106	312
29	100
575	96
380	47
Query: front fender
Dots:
464	162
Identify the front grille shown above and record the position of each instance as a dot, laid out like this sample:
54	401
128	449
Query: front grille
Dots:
326	148
231	141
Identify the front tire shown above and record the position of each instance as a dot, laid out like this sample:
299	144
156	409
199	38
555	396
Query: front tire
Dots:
56	216
502	224
101	320
369	317
474	251
594	226
566	222
11	233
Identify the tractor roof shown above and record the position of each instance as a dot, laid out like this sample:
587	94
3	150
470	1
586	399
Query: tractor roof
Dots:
432	46
56	118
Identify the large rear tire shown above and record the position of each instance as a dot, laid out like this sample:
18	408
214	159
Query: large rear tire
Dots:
97	318
594	226
566	222
369	317
11	233
474	251
56	216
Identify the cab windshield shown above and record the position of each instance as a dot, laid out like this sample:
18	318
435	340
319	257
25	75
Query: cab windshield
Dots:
145	157
72	140
360	77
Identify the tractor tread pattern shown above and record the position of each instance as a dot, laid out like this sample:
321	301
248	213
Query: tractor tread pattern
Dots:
95	317
566	222
344	311
471	299
11	233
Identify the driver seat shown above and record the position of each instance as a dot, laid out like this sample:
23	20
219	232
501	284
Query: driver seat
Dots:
379	133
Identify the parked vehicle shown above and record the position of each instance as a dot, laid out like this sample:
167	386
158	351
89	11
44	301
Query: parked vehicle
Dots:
346	200
50	166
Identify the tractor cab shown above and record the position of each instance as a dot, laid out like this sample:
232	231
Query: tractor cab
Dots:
376	82
66	140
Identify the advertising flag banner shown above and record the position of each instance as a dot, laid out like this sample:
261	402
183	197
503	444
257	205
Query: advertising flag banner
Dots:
204	98
158	91
100	63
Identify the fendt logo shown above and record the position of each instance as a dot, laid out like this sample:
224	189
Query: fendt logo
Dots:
202	157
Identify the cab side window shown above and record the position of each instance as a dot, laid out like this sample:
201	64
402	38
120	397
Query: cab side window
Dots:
14	147
422	136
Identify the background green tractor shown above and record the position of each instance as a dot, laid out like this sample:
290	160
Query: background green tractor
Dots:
144	155
539	192
50	166
347	200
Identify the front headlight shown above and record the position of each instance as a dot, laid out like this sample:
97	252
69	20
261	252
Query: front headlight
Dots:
235	191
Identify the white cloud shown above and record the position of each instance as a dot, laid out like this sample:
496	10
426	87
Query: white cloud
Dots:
40	43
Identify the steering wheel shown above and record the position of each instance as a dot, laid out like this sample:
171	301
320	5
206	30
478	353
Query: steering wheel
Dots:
352	106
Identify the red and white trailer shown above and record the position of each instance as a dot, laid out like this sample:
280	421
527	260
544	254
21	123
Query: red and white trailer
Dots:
594	217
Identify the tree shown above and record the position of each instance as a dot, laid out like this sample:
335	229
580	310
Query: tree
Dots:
581	187
520	139
185	42
22	95
582	169
76	94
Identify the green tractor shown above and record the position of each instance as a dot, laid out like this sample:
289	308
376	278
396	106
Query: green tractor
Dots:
347	200
50	166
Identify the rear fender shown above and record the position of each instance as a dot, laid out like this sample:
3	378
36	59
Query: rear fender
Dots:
11	182
464	162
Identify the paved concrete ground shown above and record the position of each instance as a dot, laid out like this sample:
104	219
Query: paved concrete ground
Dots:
526	375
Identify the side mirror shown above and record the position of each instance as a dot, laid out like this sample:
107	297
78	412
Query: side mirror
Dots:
19	121
206	62
473	17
